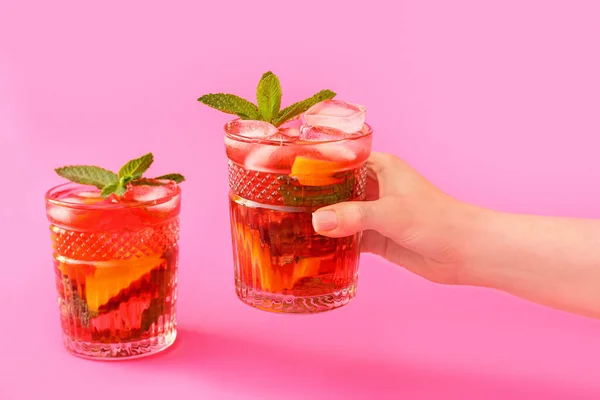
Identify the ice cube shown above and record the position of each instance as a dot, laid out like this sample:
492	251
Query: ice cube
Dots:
89	197
280	138
236	149
258	158
341	115
61	214
73	200
251	129
167	206
268	158
338	149
291	128
148	194
343	151
320	133
141	193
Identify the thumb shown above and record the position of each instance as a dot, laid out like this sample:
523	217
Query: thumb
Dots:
346	219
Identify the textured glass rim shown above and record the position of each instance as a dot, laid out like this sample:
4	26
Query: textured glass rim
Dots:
50	197
367	128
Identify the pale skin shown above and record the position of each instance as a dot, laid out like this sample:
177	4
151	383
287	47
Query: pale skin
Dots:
552	261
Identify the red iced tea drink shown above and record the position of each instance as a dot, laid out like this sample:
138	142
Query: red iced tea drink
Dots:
278	177
115	262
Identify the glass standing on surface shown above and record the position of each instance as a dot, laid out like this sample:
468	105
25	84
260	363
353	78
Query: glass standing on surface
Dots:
115	254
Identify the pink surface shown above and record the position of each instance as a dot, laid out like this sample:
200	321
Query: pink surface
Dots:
497	102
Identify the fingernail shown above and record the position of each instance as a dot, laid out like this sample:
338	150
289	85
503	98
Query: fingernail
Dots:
324	220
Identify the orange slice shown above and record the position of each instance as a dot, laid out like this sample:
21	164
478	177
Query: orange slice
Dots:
255	259
77	273
313	172
111	277
261	261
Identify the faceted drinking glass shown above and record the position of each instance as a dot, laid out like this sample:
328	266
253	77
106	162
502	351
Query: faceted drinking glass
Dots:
115	262
280	263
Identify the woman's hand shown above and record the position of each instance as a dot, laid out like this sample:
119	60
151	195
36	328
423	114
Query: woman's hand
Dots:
405	219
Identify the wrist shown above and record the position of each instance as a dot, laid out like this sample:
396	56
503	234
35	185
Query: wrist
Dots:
475	231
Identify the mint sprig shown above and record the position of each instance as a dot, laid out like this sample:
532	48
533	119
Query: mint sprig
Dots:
268	96
111	183
88	175
178	178
268	102
231	104
136	167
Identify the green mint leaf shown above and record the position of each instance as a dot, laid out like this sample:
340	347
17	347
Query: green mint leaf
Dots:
136	167
268	96
296	195
298	108
120	190
178	178
125	180
109	189
231	104
88	175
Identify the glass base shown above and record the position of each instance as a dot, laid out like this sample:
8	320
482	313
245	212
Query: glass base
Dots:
289	304
120	351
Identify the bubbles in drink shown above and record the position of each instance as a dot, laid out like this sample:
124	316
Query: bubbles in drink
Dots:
347	117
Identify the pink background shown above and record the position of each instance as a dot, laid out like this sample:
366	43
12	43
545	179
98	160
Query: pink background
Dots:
495	101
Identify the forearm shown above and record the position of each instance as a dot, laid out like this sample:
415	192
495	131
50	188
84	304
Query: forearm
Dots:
547	260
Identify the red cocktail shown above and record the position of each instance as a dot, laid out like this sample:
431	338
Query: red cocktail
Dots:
277	182
115	260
